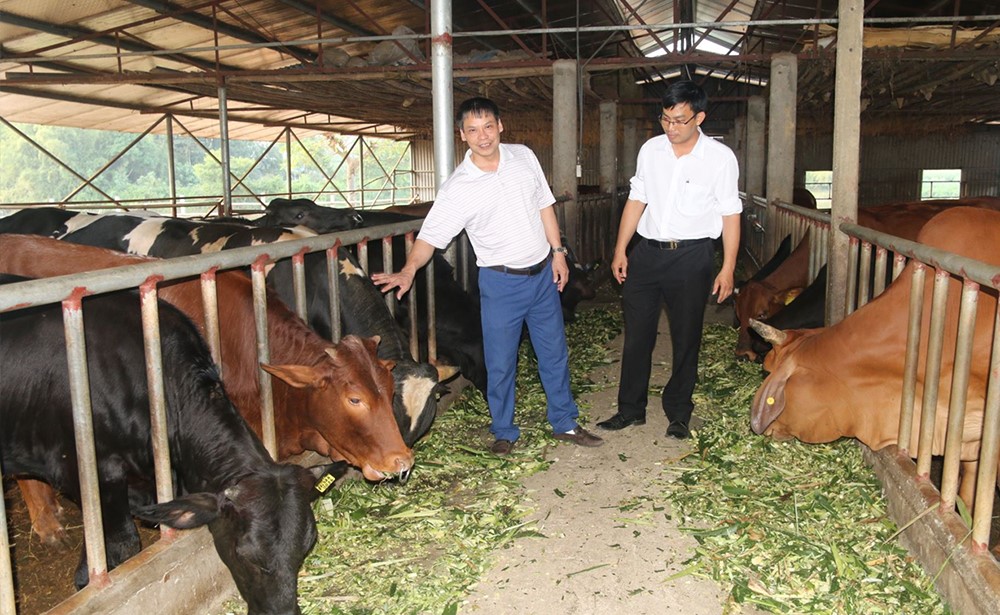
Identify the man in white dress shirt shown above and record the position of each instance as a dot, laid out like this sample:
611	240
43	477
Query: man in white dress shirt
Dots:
684	195
500	197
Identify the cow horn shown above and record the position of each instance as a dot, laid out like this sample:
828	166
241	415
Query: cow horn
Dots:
776	337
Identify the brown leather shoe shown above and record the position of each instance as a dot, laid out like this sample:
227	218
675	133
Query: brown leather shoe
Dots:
581	437
502	447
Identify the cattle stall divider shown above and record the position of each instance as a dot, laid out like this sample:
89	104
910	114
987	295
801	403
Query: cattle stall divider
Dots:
968	575
181	573
765	226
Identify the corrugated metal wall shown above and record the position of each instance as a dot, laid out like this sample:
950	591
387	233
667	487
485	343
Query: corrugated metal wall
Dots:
891	165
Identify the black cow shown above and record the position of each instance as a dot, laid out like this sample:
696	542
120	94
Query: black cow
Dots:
806	311
293	212
258	511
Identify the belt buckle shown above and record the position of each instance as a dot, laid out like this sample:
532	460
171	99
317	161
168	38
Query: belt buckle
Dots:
672	244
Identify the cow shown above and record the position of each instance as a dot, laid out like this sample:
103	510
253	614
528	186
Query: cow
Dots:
258	511
807	311
170	237
765	298
304	212
320	388
846	380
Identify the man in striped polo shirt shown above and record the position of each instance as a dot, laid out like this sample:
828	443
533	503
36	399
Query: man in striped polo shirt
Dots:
498	195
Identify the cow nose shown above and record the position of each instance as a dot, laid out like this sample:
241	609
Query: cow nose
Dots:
404	473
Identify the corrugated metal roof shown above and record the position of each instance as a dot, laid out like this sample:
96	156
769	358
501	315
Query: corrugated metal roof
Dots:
112	63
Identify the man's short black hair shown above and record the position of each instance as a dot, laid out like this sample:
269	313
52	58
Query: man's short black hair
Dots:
477	107
688	92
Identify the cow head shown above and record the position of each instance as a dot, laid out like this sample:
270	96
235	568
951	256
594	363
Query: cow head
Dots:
350	396
303	212
263	528
758	301
415	403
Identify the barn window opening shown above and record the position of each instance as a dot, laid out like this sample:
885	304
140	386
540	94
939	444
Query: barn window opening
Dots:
820	183
940	184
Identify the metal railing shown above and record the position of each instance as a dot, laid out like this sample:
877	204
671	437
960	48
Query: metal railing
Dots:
69	291
764	227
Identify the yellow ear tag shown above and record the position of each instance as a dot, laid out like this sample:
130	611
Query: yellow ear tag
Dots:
770	401
324	483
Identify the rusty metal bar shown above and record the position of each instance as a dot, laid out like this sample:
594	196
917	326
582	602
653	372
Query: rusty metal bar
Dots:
412	303
158	431
299	284
210	307
83	431
881	265
852	279
333	279
911	360
268	435
390	298
986	480
864	276
959	396
431	315
932	373
8	602
898	263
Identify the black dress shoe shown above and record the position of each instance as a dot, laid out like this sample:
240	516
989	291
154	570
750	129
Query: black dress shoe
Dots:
619	421
679	430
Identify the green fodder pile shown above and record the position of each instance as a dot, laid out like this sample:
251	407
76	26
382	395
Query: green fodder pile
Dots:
418	547
791	527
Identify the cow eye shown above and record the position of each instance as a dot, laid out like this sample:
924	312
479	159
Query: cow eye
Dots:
299	215
355	401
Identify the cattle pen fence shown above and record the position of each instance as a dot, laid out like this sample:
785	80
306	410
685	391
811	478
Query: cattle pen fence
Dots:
950	537
181	573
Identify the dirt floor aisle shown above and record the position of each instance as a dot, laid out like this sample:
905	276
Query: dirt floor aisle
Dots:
611	545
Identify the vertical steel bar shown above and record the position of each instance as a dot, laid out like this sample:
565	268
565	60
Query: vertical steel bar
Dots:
412	302
431	315
932	373
911	360
898	263
227	188
158	430
881	258
959	396
390	298
299	284
865	275
982	515
8	600
210	306
333	279
852	277
83	432
263	355
171	165
288	158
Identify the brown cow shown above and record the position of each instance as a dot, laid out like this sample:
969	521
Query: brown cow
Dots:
846	380
764	298
332	399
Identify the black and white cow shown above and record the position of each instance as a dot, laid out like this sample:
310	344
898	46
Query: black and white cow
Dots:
258	511
415	401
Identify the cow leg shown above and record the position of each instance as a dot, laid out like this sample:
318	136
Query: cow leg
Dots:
44	510
121	538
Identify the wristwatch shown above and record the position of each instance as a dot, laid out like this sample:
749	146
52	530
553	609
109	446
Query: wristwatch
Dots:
559	250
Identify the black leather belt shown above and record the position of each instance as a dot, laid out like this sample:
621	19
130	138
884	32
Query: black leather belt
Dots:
525	271
673	245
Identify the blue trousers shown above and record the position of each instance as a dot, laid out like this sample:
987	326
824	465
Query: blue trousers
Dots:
508	301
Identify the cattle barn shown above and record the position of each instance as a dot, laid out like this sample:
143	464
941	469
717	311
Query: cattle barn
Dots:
868	141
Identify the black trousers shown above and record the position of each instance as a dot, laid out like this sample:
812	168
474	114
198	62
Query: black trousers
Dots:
681	279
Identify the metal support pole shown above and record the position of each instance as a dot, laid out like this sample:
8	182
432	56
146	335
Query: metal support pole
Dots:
263	356
932	373
911	360
986	481
288	159
227	188
158	429
443	91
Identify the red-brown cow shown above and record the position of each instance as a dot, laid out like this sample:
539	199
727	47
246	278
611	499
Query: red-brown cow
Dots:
846	380
332	399
764	298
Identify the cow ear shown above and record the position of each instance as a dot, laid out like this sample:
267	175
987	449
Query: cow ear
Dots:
325	476
446	372
389	364
298	376
183	513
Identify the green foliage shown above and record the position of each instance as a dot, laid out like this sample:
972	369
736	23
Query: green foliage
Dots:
29	175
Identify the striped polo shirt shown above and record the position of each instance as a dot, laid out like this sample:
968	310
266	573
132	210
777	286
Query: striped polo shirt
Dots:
498	210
